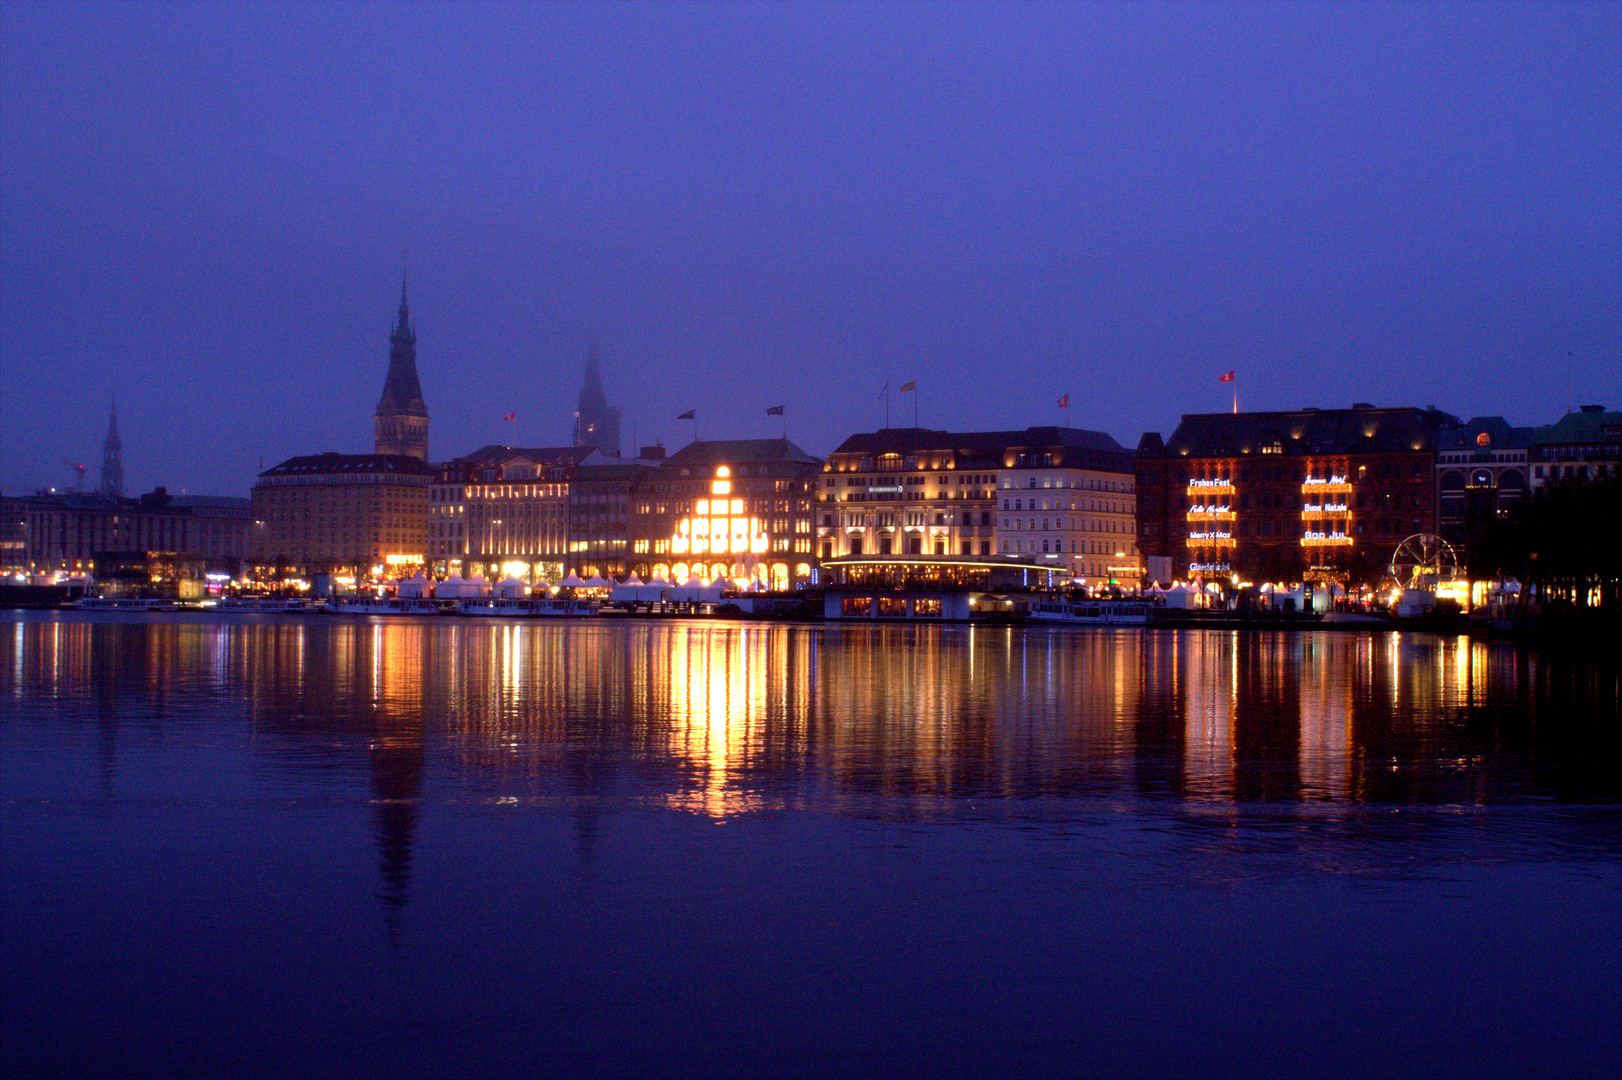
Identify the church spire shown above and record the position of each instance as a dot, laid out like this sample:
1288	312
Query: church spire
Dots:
112	458
402	416
596	423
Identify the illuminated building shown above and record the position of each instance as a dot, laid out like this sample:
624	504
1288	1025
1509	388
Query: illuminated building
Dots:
738	508
1059	495
341	513
401	420
958	587
63	532
1314	494
150	575
504	509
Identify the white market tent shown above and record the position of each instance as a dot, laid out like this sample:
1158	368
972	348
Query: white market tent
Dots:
416	587
628	591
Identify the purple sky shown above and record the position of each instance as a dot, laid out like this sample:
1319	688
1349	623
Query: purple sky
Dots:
205	209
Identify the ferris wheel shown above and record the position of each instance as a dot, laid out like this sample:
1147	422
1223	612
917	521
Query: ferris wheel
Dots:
1422	560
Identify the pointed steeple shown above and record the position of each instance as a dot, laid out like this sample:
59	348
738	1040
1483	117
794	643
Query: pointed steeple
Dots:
596	423
405	309
402	414
112	458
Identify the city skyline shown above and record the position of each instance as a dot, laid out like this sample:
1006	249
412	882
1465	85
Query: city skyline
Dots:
748	206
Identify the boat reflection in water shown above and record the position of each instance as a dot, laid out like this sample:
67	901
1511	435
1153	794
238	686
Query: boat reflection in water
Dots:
1033	824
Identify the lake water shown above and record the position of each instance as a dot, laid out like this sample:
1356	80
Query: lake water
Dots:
282	846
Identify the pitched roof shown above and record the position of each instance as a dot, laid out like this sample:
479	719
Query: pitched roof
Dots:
741	451
989	449
547	456
618	470
335	464
1591	424
1500	435
1364	428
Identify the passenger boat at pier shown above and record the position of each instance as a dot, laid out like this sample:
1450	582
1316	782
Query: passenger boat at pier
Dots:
125	603
525	607
388	605
1087	612
270	605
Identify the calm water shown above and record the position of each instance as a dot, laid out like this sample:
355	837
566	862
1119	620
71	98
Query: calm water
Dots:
269	846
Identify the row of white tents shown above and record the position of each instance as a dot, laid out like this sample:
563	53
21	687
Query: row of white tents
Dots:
632	590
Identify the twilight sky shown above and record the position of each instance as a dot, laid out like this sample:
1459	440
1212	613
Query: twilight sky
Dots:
204	211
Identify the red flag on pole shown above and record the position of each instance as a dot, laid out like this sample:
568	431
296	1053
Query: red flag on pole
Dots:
510	416
1226	378
1064	401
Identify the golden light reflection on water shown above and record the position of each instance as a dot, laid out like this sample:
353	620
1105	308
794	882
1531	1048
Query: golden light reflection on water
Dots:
732	718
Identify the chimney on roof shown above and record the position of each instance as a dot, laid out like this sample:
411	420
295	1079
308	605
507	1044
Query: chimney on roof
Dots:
1593	408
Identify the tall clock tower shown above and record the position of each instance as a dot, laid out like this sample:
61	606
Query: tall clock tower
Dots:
402	415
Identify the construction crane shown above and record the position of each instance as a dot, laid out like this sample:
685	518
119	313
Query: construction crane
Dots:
78	473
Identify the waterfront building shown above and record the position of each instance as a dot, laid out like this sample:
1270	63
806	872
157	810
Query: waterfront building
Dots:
956	587
343	514
55	533
604	502
1063	496
1481	475
596	423
150	575
401	420
504	510
112	458
1307	495
738	508
1581	445
354	515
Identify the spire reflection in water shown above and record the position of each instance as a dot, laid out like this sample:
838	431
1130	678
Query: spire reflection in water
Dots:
531	813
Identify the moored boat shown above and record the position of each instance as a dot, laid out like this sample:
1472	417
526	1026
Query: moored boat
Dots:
525	607
124	603
1088	612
